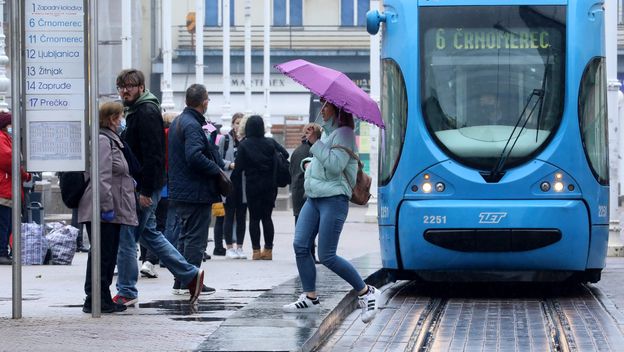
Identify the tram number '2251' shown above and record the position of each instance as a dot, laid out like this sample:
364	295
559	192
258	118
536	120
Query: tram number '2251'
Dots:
434	219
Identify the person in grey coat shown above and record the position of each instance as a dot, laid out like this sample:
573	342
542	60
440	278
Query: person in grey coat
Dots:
117	203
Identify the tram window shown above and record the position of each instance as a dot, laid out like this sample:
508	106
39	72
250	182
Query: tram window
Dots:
394	114
593	119
484	68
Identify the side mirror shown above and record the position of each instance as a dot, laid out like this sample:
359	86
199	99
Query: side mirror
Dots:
373	20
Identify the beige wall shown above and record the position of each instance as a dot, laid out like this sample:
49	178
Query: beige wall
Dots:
321	12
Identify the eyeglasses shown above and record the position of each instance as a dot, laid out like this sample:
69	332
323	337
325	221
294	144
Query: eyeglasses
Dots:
127	88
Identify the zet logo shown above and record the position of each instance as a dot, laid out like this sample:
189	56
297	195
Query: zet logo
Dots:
491	218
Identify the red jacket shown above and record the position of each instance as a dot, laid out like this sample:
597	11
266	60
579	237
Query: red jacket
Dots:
6	145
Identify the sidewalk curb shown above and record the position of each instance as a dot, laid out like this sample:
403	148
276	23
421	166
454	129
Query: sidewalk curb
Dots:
345	307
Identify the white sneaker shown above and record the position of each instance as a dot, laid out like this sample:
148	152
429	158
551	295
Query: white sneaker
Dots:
240	253
149	270
302	305
180	291
230	253
369	304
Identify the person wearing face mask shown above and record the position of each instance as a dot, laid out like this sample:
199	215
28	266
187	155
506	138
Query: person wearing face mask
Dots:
329	177
145	135
117	204
194	164
6	202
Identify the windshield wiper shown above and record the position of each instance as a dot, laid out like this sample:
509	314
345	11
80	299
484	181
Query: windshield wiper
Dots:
496	173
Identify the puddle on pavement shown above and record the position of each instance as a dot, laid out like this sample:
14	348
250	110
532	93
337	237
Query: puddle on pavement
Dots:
198	319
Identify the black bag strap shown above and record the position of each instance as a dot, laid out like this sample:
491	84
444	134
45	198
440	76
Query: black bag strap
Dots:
226	144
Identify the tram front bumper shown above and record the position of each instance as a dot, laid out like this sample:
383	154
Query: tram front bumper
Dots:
483	235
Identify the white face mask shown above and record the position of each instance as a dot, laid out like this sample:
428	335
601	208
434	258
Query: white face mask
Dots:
122	125
10	130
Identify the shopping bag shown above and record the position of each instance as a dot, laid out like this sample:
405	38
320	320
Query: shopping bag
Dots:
62	243
34	244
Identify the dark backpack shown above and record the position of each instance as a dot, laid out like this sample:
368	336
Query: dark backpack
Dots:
73	185
281	170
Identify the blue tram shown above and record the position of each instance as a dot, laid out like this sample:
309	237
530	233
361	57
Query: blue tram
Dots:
494	160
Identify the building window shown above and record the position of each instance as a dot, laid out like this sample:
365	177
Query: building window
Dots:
296	13
279	13
353	12
287	12
211	14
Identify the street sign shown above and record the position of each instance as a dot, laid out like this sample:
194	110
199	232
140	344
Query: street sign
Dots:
55	61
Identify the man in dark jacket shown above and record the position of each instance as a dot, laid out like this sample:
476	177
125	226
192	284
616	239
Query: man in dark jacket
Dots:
194	164
145	135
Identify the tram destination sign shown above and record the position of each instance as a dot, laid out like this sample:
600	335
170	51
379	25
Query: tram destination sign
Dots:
55	60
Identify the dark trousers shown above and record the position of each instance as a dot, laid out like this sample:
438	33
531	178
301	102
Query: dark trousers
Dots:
194	225
233	212
5	230
74	223
218	232
109	244
259	212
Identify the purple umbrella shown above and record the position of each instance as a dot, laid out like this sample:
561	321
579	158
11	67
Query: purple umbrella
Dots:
335	87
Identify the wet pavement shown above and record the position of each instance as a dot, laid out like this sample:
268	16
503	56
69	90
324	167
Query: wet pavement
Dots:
53	295
245	312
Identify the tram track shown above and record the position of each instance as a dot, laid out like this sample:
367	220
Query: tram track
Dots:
553	318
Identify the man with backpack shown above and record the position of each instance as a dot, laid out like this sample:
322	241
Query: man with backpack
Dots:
144	134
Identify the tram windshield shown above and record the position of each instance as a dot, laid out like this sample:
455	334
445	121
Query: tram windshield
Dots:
492	76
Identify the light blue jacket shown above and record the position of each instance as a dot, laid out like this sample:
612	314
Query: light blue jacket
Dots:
324	176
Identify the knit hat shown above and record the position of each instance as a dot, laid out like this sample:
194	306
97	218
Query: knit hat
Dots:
5	119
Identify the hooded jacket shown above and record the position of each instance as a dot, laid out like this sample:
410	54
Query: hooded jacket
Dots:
146	137
255	157
324	177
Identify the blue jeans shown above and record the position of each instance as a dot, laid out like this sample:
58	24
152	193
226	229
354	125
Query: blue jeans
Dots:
5	230
327	215
194	227
154	241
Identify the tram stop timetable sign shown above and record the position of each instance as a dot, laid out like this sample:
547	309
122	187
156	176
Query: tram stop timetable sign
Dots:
55	61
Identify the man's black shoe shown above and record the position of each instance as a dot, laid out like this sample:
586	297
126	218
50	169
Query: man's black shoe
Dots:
219	252
207	291
206	257
6	261
106	308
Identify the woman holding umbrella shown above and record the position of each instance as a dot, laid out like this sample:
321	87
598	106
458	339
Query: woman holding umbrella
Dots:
329	177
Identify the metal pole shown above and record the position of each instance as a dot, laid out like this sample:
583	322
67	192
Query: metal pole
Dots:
267	67
199	41
375	78
226	118
126	34
247	56
5	83
16	189
96	299
165	83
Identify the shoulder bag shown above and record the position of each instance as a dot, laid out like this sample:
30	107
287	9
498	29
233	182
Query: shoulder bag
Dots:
360	193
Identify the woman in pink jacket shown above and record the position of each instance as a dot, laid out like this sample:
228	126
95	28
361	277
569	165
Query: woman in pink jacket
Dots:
6	202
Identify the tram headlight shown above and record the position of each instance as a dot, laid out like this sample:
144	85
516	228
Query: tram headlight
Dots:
558	187
545	186
440	187
426	187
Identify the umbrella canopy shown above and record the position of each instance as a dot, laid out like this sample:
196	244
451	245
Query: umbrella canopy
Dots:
335	87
